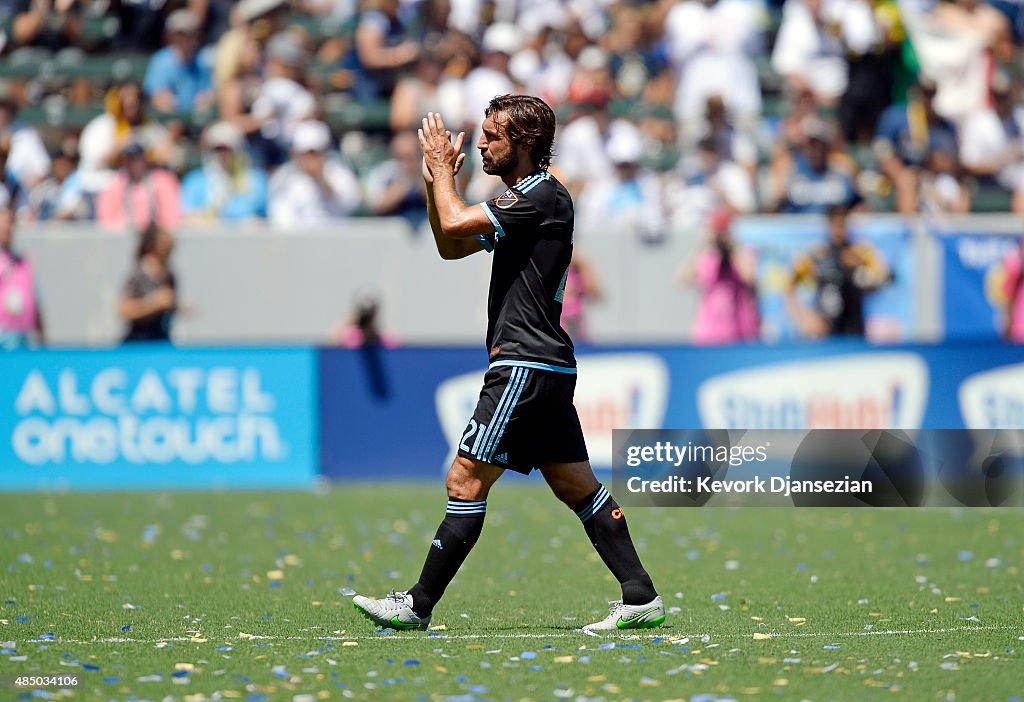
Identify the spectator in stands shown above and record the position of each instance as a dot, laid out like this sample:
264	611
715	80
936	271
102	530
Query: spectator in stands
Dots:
362	330
627	198
283	101
809	52
48	24
21	320
906	135
395	187
811	179
139	195
179	77
583	141
425	90
992	139
841	273
12	194
582	286
709	183
106	135
150	299
311	189
941	187
226	186
140	25
382	48
27	159
726	276
500	42
1013	291
730	143
61	196
713	46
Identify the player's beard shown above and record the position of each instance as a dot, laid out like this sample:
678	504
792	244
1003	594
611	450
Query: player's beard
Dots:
504	166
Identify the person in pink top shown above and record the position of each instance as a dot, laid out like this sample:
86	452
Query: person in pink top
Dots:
725	274
581	285
20	317
139	195
1013	289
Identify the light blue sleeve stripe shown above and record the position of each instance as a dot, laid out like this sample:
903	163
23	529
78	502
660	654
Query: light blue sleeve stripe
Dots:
494	220
535	365
488	244
534	183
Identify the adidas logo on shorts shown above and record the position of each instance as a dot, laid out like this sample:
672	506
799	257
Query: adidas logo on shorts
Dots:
501	457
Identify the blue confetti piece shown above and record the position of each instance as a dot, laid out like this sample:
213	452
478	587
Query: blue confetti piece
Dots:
10	602
583	659
43	648
975	605
965	555
832	647
528	654
658	639
45	637
433	634
111	681
411	661
534	667
274	583
90	666
461	678
24	558
718	597
224	648
477	689
256	697
48	564
606	646
23	619
801	566
179	674
389	661
548	647
266	616
126	627
6	651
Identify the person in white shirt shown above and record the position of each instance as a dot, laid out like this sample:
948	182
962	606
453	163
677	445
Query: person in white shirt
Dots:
311	188
992	139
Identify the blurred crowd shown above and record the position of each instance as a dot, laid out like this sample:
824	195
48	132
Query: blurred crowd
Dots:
303	111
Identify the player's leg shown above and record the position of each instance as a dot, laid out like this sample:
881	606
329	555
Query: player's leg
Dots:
468	484
605	524
469	481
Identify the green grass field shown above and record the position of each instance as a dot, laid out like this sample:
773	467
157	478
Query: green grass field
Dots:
248	596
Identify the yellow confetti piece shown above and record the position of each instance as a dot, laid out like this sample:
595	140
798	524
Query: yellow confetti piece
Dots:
177	555
84	578
243	635
474	645
781	682
611	688
981	590
349	643
952	599
316	603
184	666
933	610
231	694
323	695
874	614
751	690
292	560
439	627
758	619
596	678
198	639
649	682
563	659
761	637
440	669
275	574
767	660
797	620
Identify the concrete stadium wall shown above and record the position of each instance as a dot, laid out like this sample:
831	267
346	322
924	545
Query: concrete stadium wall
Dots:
251	283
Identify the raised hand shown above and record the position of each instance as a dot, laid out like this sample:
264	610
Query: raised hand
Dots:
438	150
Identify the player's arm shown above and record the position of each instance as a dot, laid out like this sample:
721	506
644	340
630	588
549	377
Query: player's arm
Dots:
455	218
449	248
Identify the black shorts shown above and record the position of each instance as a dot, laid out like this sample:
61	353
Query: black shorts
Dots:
524	419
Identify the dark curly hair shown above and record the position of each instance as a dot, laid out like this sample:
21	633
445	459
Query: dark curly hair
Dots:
530	122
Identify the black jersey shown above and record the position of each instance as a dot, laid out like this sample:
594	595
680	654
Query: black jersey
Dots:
532	246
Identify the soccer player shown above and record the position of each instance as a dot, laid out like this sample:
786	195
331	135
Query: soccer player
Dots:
524	418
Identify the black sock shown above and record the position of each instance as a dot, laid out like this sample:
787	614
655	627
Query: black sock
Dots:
605	524
453	541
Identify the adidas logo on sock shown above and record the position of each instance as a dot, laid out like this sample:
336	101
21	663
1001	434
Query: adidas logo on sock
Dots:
501	458
436	543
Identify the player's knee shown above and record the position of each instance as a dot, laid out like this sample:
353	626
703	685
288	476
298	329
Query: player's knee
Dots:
462	481
572	492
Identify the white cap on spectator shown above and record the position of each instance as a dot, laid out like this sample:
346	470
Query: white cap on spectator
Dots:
251	9
182	22
284	48
625	147
224	133
502	38
311	136
592	58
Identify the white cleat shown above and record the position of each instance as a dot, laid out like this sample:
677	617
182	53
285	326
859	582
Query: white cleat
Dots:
624	616
392	612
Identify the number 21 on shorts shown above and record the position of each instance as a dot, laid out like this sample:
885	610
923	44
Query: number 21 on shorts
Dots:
474	428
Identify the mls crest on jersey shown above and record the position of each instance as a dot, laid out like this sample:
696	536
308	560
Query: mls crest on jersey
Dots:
506	199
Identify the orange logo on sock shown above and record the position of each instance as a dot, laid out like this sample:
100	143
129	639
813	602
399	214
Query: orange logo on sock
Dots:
617	513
